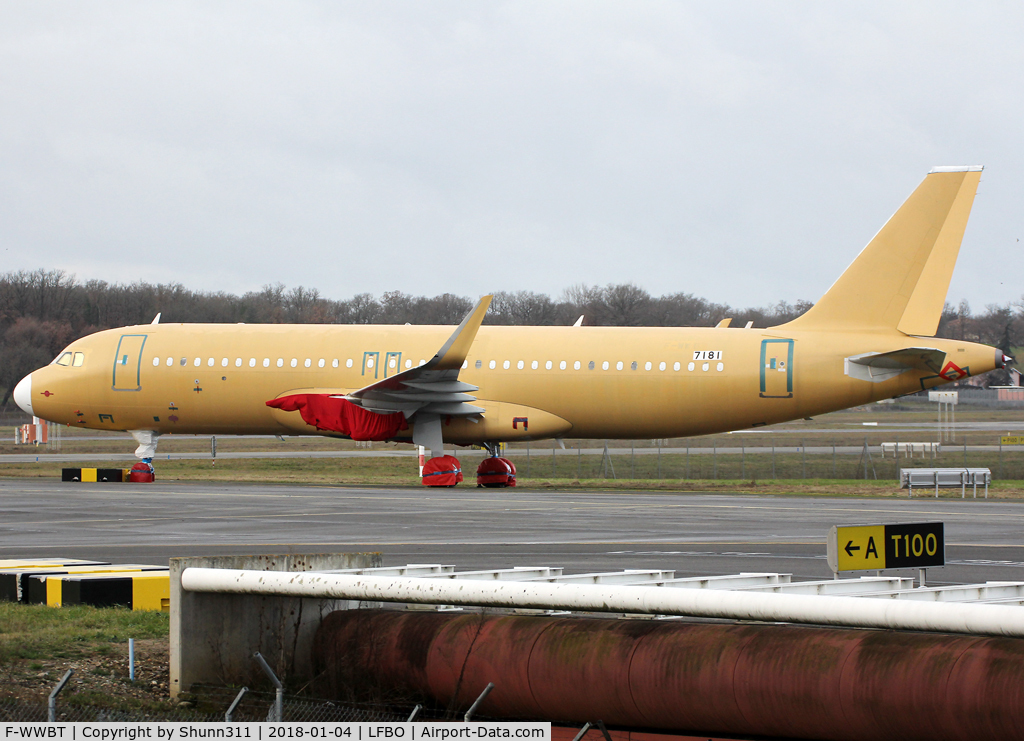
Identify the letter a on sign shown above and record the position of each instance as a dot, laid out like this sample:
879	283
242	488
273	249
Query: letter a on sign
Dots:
857	548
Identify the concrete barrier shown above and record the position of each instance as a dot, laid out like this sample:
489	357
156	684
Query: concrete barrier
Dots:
214	636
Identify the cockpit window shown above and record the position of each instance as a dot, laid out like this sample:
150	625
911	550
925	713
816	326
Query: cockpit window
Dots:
64	359
79	359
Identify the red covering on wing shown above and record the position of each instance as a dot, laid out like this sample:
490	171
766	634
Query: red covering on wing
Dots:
444	470
339	415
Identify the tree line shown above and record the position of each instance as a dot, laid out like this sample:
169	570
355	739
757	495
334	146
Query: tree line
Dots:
41	311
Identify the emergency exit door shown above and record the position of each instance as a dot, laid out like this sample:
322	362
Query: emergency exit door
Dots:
128	362
776	369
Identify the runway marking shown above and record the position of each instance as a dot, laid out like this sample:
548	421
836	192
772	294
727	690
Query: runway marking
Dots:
510	544
549	503
228	515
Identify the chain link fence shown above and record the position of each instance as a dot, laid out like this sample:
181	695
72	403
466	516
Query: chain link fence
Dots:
758	457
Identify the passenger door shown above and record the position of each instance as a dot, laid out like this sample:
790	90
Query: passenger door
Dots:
776	369
128	362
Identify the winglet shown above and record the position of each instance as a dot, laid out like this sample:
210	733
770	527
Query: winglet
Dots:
156	319
453	353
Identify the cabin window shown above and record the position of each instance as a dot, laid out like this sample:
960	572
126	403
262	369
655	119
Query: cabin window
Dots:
661	365
238	362
308	362
689	366
547	365
408	364
576	365
170	362
321	363
334	363
647	365
721	367
266	362
252	362
223	362
479	364
520	365
184	362
561	365
64	359
534	365
618	366
604	365
210	362
391	362
198	362
705	366
676	366
280	362
348	363
492	365
422	361
506	365
156	361
465	364
295	362
632	365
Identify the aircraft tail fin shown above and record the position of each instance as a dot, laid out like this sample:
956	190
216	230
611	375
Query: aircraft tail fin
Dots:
899	281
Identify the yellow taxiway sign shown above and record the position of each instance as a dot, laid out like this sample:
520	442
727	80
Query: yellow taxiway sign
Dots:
915	545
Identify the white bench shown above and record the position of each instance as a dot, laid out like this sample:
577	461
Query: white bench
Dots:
910	449
945	478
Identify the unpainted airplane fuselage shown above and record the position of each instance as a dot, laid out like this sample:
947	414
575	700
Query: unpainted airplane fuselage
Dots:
535	382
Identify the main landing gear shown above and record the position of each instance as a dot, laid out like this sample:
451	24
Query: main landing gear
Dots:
495	472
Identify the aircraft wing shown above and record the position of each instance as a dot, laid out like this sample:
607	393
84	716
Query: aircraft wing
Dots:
433	387
880	366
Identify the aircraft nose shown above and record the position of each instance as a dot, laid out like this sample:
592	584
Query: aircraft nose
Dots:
23	394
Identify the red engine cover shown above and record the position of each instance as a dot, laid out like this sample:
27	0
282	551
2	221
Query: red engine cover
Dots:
496	473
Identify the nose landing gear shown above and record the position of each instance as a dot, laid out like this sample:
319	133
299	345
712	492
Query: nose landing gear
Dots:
143	471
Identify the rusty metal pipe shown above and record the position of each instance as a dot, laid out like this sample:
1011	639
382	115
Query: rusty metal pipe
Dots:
783	681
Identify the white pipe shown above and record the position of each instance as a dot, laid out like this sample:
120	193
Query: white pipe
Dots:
858	612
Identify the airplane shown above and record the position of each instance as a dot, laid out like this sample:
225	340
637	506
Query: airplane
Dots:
870	337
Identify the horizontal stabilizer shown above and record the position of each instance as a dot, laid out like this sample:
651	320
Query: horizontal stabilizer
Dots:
881	366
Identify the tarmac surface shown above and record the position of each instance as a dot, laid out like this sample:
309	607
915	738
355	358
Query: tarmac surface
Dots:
581	531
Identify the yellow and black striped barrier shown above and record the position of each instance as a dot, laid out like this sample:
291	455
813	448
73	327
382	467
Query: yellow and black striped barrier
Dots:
136	591
94	475
28	584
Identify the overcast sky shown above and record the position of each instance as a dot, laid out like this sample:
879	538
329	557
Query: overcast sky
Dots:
740	151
